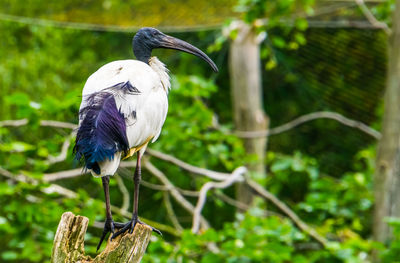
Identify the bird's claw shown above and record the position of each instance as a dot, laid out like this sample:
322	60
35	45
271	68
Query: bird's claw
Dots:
131	226
109	226
124	227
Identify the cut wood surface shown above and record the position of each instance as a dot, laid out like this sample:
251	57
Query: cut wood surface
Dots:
68	243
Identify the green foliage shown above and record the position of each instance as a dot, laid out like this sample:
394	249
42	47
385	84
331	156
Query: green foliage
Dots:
266	17
391	254
251	238
43	70
383	11
274	11
269	15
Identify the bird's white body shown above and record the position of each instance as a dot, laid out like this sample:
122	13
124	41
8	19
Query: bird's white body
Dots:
144	111
124	106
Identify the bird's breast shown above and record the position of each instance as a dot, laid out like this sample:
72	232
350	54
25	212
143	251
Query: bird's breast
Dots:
149	119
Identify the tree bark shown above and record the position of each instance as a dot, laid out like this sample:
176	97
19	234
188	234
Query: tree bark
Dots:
247	97
387	174
69	243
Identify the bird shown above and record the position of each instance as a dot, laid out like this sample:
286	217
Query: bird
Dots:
124	106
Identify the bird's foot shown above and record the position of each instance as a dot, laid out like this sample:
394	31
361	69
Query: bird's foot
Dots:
131	226
109	226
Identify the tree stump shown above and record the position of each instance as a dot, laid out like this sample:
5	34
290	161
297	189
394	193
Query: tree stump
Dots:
68	243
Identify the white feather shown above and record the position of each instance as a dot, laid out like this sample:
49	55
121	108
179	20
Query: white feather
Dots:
150	105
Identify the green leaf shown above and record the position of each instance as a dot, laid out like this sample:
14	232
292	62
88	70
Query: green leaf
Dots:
9	255
281	165
16	146
301	24
278	42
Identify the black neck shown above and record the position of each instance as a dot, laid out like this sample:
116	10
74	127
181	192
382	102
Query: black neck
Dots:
141	51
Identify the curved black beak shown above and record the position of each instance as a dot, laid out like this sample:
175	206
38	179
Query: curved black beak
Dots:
177	44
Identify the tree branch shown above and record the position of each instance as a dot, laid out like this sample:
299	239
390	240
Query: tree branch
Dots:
240	205
58	124
285	209
14	123
50	177
310	117
44	123
62	156
159	187
236	176
165	188
171	213
174	192
124	191
371	18
188	167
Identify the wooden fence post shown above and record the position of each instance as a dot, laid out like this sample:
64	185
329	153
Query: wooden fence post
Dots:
68	243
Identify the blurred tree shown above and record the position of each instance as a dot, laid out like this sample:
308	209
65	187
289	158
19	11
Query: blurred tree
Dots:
245	70
387	174
246	92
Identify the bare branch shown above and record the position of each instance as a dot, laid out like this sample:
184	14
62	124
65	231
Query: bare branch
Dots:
158	187
165	188
371	18
188	167
341	24
49	177
64	151
171	213
14	123
237	176
231	201
174	192
58	124
124	192
55	188
310	117
98	224
44	123
285	209
19	178
367	1
243	206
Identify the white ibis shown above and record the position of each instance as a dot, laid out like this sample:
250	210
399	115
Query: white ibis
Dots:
124	106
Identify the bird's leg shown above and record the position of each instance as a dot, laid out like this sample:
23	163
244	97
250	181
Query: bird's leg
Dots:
131	224
109	224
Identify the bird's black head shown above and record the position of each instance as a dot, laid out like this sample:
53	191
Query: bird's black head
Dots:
148	38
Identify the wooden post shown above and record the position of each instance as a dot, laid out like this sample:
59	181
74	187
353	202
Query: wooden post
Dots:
69	243
247	101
